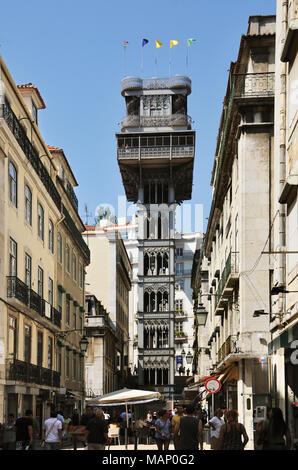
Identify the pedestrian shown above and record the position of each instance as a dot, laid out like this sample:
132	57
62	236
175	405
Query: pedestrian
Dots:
230	435
162	428
97	432
60	416
215	424
53	432
274	434
191	431
149	417
24	431
85	418
174	423
9	433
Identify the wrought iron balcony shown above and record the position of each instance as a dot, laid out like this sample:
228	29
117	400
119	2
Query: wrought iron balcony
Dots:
17	289
31	153
136	83
72	195
30	373
229	275
253	85
228	347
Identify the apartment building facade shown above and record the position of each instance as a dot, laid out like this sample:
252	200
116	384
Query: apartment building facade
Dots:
283	312
238	228
108	278
33	211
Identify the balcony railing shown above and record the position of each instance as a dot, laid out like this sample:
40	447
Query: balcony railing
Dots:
180	336
254	85
72	196
30	373
231	268
31	153
17	289
155	152
228	347
157	121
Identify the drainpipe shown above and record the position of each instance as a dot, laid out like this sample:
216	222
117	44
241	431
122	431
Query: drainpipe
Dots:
282	162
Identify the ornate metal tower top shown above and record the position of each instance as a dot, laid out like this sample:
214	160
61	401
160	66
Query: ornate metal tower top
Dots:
156	138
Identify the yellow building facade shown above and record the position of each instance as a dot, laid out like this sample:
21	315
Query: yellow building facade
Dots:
40	363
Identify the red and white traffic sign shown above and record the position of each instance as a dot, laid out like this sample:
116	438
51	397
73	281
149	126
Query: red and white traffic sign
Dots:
212	385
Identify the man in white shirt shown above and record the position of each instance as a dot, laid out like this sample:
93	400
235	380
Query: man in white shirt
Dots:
53	432
215	424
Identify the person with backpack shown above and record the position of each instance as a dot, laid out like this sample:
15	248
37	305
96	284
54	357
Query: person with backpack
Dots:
53	432
191	431
230	436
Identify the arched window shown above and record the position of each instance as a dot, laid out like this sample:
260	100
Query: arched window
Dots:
28	205
51	236
40	221
13	184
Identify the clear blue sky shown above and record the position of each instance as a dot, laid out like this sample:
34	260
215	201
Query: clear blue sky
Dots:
73	52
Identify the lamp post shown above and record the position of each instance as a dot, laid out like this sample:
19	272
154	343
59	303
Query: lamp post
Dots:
201	315
189	357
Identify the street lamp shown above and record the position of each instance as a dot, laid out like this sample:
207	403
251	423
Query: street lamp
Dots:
189	357
201	315
84	344
281	290
183	353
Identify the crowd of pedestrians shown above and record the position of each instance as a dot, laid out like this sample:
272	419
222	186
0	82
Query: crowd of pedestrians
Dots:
184	426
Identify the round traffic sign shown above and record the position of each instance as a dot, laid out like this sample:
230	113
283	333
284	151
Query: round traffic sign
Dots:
212	385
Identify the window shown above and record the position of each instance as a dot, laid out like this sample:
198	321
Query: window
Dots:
27	344
12	257
179	252
59	247
40	282
28	270
74	322
179	305
59	301
74	365
81	275
59	359
74	267
39	348
67	258
28	205
12	337
51	291
67	319
34	111
50	353
51	236
40	221
179	269
13	184
67	362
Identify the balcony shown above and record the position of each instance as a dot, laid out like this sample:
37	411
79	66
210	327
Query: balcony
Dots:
172	120
228	347
75	232
30	152
180	336
254	85
19	292
24	372
134	153
175	82
227	282
180	314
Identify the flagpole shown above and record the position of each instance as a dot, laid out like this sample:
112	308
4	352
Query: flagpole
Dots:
170	61
156	62
187	59
124	60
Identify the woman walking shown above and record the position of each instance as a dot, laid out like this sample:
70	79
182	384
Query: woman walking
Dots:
230	436
162	434
274	433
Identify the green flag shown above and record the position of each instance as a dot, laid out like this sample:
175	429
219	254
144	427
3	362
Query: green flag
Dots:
189	41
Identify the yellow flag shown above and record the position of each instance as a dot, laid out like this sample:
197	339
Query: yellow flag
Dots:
173	43
157	44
